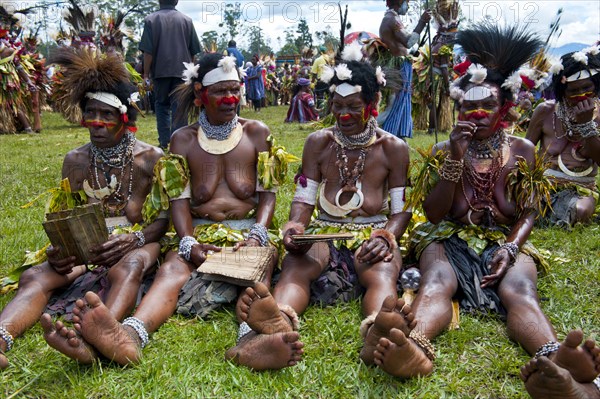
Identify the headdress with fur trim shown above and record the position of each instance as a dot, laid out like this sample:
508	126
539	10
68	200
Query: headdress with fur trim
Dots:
584	64
89	74
496	54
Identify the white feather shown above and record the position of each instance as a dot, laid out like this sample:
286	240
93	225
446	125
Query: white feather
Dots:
380	76
227	63
190	72
556	68
327	74
580	56
593	50
352	52
242	72
478	73
513	82
343	72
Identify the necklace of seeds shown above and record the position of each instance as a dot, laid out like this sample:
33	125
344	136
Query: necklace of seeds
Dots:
565	116
358	140
349	178
216	132
117	157
486	149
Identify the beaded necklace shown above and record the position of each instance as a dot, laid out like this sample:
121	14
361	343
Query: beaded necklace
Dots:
359	140
217	132
565	116
117	157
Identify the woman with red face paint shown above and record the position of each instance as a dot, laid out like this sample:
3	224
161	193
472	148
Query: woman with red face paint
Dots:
567	131
481	211
114	169
218	189
355	174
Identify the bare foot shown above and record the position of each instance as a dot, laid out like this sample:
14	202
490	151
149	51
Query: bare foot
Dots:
581	360
546	380
66	341
261	312
401	357
3	360
393	314
100	329
267	352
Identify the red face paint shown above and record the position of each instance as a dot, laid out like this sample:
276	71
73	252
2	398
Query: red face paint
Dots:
476	114
231	100
345	117
97	123
577	98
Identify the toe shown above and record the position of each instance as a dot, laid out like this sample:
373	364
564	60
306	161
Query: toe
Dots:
46	322
388	304
92	299
573	338
261	290
398	337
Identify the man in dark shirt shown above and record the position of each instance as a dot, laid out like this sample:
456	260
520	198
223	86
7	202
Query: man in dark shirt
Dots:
234	52
169	39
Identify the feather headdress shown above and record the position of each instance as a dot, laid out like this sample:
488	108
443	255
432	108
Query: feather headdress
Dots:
87	70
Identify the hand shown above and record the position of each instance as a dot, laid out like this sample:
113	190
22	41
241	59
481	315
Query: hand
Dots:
60	266
249	242
584	111
374	250
498	267
289	244
117	246
200	253
426	16
460	137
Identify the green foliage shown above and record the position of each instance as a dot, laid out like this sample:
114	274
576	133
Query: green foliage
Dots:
232	19
304	38
185	357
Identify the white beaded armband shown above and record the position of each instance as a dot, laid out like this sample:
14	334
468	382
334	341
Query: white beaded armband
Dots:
308	194
397	200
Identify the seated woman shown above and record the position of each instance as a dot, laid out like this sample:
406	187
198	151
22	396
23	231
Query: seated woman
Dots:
114	169
567	131
302	108
359	172
223	191
481	214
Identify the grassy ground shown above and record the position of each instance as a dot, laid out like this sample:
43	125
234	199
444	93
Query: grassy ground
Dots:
185	357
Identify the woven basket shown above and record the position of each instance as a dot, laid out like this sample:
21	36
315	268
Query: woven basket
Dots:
77	230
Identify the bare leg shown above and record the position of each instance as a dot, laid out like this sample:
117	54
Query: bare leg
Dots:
35	289
585	209
525	320
546	380
35	105
121	343
67	341
126	277
264	352
399	355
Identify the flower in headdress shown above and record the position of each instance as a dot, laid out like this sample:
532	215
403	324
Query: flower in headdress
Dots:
352	52
190	72
343	72
327	73
456	93
580	56
556	68
513	82
593	50
478	73
380	76
227	63
134	97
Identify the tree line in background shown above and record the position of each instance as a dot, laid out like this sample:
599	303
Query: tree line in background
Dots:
250	37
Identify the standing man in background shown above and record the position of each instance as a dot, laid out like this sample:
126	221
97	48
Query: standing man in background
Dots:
168	40
234	52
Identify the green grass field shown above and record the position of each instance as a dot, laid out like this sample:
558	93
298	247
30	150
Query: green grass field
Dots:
185	357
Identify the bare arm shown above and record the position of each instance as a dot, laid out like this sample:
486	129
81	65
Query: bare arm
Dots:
536	125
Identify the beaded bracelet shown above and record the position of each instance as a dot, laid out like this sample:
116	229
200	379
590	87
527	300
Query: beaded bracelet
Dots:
7	337
185	247
452	170
511	248
597	382
141	238
259	233
139	328
424	343
546	349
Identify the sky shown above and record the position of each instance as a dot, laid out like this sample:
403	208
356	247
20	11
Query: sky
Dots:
580	21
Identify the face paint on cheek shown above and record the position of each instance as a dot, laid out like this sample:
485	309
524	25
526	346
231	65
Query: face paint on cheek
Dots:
231	100
345	117
577	98
97	123
204	97
476	114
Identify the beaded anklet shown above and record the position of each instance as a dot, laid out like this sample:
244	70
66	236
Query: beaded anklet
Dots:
424	343
139	328
6	337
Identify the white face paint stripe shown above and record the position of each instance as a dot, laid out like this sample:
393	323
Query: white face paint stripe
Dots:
346	89
477	93
584	74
